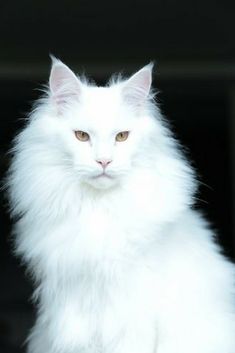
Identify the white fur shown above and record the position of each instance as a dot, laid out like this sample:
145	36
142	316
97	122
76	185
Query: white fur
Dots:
122	264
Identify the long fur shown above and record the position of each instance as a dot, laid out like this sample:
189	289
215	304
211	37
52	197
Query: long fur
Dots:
121	264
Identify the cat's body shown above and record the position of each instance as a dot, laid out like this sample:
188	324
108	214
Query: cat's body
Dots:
122	262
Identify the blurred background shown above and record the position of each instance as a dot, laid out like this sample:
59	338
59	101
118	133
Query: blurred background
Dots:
193	45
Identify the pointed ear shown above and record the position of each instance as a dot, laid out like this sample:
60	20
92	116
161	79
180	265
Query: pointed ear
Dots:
64	84
136	89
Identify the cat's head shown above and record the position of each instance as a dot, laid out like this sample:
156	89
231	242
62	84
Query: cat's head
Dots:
84	138
102	131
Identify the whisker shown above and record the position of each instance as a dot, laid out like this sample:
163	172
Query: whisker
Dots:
201	200
206	185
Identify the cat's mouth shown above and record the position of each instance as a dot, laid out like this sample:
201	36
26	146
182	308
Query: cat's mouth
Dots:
102	175
102	180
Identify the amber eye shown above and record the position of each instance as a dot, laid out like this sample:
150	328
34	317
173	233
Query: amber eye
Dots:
122	136
82	136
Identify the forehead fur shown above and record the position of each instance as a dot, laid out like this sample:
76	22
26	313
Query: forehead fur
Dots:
102	107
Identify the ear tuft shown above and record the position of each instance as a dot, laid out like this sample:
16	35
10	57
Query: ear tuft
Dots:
63	83
137	87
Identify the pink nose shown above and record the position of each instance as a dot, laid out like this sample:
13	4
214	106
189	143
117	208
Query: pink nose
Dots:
104	162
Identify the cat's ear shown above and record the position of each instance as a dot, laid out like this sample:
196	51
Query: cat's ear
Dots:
64	84
137	88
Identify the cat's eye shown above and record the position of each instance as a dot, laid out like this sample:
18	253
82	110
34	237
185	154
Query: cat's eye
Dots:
122	136
82	136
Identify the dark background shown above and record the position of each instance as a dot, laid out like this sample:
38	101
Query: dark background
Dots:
193	44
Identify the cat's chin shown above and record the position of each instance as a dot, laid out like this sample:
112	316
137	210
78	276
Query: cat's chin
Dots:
102	182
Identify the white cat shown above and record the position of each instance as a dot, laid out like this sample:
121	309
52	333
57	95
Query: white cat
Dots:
104	201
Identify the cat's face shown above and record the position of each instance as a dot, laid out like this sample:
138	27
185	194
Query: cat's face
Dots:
101	129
